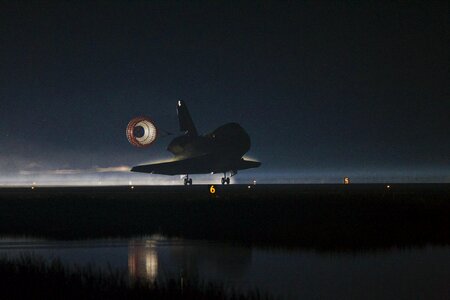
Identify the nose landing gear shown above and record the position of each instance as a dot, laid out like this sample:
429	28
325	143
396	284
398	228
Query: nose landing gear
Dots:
225	179
187	180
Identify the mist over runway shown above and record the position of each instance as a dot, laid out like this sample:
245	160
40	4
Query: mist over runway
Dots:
111	177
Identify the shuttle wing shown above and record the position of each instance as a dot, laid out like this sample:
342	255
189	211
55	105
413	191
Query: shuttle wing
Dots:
196	165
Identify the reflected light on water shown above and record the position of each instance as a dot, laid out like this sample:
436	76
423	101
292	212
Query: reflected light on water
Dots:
151	265
142	261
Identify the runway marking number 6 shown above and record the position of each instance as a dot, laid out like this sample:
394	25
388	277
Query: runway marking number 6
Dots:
212	189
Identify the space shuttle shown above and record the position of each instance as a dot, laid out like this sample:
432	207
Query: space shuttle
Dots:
220	151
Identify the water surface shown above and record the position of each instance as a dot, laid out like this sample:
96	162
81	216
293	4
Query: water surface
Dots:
416	273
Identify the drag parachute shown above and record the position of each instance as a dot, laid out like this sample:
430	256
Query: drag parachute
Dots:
141	132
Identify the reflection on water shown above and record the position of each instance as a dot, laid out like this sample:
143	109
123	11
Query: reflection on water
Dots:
149	258
293	274
143	259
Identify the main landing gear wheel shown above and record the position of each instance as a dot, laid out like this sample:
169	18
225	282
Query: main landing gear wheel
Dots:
225	180
187	181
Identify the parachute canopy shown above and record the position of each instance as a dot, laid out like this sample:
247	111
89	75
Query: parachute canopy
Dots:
141	132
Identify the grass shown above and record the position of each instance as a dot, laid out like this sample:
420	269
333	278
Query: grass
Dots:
32	277
334	217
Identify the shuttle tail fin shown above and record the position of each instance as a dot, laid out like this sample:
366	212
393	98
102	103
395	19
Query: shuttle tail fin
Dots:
186	123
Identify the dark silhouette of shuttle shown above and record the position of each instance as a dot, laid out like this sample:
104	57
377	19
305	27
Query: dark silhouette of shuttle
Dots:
220	151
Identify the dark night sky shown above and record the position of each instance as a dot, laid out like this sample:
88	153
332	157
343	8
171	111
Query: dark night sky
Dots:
324	89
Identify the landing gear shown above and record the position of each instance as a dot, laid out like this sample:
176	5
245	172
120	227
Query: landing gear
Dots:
225	179
187	180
